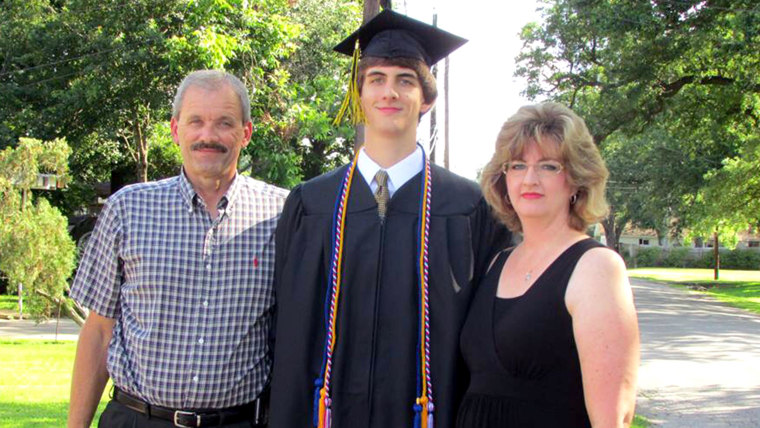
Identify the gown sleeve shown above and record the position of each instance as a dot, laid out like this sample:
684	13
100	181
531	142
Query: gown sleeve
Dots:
491	236
292	212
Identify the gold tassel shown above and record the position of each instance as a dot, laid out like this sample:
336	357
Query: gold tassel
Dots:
352	102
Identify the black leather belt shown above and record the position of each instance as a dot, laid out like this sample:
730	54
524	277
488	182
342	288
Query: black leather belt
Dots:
253	411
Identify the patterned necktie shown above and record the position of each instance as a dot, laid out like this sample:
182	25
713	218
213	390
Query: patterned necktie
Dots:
381	194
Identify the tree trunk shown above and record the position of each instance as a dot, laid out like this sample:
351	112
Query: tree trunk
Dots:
68	306
716	273
611	232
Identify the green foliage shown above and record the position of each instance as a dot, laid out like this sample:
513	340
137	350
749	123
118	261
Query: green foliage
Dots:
677	257
35	248
730	200
640	422
8	303
102	75
645	257
740	259
164	157
320	78
682	257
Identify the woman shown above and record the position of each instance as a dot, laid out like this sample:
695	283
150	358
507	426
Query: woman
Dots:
551	339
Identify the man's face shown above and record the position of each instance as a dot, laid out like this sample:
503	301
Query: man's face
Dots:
392	100
210	132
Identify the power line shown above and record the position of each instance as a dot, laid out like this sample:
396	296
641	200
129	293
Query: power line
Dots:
139	43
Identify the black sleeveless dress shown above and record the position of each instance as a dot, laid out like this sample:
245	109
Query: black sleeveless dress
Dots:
521	353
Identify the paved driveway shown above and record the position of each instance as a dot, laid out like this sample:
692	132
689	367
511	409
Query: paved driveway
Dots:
700	360
65	329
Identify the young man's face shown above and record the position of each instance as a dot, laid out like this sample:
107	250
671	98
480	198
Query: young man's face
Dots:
392	101
210	132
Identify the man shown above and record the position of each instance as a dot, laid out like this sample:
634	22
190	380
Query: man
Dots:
377	260
178	280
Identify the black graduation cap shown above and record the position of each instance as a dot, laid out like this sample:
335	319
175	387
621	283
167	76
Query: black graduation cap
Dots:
393	35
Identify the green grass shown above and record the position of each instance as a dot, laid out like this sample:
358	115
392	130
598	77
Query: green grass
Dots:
8	302
640	422
34	387
738	288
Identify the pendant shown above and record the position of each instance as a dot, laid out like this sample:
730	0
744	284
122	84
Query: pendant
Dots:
527	276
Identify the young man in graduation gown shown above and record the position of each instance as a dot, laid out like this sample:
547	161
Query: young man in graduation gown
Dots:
377	261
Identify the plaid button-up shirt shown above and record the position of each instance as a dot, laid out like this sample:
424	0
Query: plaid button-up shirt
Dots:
192	297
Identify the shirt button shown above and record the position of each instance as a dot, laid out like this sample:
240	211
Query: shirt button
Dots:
205	303
208	267
195	379
200	341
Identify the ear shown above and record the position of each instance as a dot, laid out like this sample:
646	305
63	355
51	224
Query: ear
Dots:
175	133
247	133
424	108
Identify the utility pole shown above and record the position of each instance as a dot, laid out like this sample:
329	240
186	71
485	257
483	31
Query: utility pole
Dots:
446	114
434	111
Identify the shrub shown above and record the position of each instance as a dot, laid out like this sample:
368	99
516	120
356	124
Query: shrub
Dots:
740	259
648	257
704	261
678	257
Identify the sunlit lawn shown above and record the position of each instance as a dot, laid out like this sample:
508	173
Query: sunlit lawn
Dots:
34	386
8	302
639	422
739	288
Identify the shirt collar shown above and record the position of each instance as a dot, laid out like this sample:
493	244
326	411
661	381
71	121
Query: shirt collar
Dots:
398	174
191	197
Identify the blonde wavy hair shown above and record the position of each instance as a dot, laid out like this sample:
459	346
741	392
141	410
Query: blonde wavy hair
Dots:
556	129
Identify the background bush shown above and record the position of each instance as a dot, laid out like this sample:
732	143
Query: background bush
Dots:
682	257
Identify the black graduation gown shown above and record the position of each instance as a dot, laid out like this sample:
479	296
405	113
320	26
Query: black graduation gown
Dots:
374	368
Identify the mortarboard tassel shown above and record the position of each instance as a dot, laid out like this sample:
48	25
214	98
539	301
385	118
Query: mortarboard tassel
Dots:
351	105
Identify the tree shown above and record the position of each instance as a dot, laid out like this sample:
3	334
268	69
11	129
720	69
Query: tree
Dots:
730	201
682	76
319	77
35	248
104	72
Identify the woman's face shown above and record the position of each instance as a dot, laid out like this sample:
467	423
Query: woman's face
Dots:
537	185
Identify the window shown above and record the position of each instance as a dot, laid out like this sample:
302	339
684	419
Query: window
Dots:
643	241
754	244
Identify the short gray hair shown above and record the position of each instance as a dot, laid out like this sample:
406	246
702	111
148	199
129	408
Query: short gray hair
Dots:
213	80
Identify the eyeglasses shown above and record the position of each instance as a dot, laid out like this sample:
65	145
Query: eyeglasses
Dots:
544	169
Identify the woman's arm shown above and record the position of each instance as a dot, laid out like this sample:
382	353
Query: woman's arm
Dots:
605	327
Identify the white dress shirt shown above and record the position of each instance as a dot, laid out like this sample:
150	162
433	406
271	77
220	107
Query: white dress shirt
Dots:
398	174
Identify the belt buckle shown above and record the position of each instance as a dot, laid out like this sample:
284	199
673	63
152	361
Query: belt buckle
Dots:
178	413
